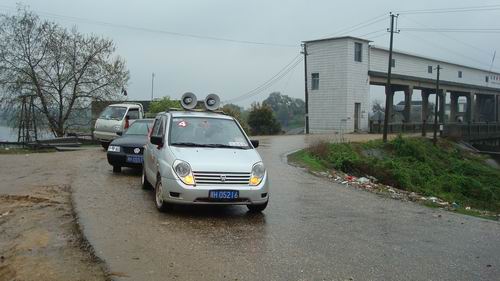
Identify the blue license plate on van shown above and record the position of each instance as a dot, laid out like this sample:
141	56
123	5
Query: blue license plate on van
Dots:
224	195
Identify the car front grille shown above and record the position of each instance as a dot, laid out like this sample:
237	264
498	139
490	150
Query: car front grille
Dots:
221	178
130	150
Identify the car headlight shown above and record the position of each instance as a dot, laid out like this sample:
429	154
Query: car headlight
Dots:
113	148
117	128
183	171
258	172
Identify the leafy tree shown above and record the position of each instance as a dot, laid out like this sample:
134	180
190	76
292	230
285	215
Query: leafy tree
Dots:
262	121
163	104
289	111
64	69
236	112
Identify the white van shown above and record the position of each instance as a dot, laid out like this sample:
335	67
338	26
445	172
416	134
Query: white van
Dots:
112	121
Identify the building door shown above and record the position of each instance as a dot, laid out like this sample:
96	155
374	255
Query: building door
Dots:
357	116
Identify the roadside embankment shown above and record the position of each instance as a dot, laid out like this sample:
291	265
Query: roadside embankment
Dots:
455	178
40	238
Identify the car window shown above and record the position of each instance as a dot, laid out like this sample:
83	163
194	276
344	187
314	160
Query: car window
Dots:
156	125
113	112
133	113
139	128
206	132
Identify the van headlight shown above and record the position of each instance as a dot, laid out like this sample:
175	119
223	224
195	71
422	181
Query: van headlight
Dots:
117	128
113	148
258	172
184	172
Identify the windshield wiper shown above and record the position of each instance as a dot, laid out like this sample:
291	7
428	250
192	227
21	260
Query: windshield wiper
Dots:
190	144
217	145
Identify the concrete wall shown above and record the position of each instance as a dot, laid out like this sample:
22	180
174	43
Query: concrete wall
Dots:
415	66
342	82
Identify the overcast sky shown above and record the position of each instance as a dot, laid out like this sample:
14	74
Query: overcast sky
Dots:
231	69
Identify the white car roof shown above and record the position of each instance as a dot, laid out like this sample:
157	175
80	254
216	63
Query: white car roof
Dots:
125	105
208	114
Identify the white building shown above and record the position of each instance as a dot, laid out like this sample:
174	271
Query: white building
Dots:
340	71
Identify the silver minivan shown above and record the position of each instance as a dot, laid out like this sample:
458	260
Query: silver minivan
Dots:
203	158
113	119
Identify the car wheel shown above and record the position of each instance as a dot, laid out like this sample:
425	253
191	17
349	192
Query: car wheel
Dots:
144	181
117	169
161	205
105	145
257	208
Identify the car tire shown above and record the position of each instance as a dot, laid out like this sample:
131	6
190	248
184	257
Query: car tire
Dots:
105	145
144	181
257	208
117	169
160	204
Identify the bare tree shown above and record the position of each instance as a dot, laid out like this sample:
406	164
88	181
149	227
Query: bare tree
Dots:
377	106
65	69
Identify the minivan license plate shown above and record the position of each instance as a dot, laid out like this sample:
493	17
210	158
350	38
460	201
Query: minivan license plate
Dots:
223	194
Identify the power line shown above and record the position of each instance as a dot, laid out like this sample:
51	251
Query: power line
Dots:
456	30
452	10
373	32
446	49
278	76
359	25
158	31
452	38
264	87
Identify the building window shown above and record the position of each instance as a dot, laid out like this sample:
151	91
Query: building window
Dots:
487	79
358	52
459	74
429	69
314	81
393	63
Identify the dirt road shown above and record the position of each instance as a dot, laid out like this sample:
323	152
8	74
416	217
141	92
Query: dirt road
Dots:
313	229
39	237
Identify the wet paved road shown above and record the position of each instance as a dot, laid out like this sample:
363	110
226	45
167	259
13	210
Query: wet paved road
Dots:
312	230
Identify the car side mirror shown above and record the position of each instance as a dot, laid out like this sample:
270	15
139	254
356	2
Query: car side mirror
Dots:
255	143
119	133
157	140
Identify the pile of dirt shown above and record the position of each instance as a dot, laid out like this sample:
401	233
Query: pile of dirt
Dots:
40	239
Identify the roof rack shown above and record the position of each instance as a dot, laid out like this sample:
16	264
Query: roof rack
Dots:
176	109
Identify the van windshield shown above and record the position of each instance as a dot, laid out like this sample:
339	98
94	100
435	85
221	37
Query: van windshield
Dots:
113	112
207	132
139	128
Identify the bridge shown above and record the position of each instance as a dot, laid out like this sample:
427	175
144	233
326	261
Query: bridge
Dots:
340	71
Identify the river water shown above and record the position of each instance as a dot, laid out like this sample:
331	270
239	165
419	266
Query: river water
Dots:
7	134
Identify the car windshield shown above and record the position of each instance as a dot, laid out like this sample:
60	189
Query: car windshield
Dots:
113	112
139	128
207	132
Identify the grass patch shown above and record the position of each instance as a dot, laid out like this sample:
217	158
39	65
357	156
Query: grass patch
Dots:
413	164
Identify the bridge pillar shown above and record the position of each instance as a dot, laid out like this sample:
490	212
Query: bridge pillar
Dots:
496	108
442	106
470	107
453	106
425	105
407	111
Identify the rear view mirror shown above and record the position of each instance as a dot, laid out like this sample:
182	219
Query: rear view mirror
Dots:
255	143
157	140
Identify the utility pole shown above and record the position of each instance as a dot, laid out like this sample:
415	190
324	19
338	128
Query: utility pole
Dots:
434	138
306	91
388	89
152	85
